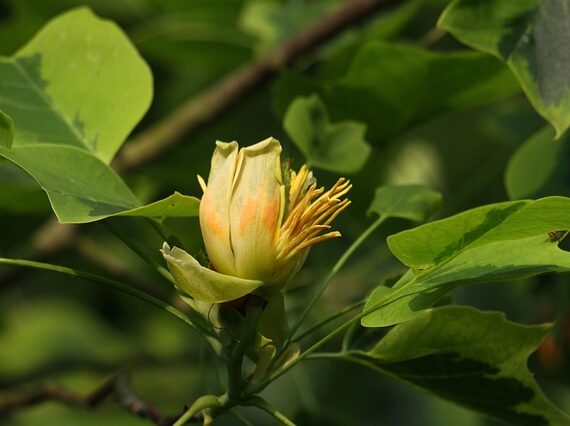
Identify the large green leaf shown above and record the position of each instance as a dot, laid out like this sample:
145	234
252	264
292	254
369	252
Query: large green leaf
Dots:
476	359
338	147
74	93
539	167
532	37
494	242
79	82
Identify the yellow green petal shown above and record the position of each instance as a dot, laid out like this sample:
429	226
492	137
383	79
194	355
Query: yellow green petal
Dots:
255	209
202	283
215	208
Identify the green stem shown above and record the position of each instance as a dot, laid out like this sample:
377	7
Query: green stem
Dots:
329	319
337	267
202	403
107	282
396	294
262	404
325	355
252	315
346	340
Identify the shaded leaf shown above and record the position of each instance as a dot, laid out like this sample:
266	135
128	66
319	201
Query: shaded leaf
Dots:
385	26
531	36
539	168
274	22
338	147
413	202
393	88
476	359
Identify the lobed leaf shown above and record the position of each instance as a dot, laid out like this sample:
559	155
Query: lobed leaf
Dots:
74	93
476	359
338	147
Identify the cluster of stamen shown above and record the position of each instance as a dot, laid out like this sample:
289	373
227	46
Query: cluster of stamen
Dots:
310	212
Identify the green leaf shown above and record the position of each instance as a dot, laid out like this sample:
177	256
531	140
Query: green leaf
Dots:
176	205
495	242
476	359
485	231
338	147
81	188
74	93
84	199
401	305
531	37
539	168
385	26
274	22
393	88
413	202
6	130
81	80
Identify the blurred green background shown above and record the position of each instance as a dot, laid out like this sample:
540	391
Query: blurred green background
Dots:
424	127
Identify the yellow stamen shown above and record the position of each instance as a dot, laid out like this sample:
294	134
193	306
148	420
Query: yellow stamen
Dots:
310	212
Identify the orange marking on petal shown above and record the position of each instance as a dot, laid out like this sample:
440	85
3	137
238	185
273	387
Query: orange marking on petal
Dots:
271	214
212	220
248	214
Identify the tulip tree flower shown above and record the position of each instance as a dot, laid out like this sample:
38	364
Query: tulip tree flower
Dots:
258	220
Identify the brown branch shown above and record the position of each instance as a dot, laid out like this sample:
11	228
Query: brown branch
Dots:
118	386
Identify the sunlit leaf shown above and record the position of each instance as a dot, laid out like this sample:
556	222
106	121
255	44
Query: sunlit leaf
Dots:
491	243
531	36
176	205
74	93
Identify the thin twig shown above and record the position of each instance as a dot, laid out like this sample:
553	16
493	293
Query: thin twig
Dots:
117	386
